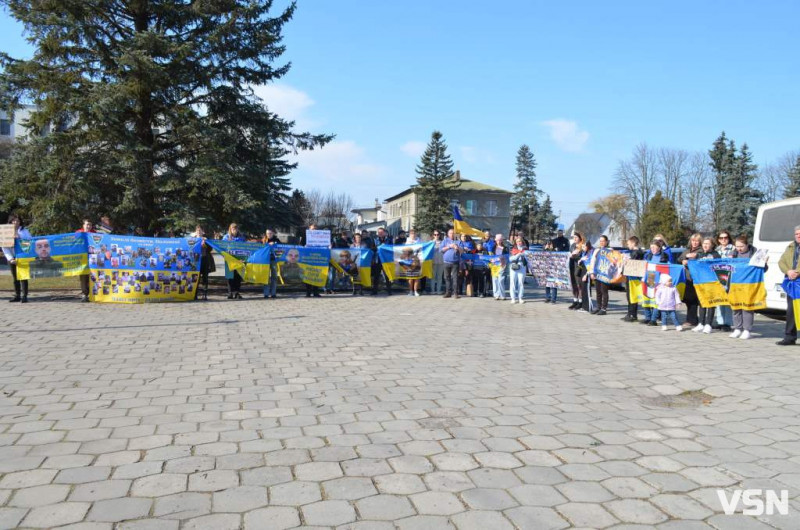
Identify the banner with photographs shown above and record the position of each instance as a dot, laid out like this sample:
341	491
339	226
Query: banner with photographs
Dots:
135	270
353	267
52	256
549	269
407	262
607	266
308	265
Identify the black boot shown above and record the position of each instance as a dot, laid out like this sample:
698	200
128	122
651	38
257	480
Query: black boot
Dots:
24	298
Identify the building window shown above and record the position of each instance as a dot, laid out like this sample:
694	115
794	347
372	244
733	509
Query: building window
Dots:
5	127
491	208
472	207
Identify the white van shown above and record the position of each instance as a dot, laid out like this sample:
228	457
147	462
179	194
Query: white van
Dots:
774	231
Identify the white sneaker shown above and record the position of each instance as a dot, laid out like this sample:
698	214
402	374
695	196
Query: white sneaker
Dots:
736	334
513	301
664	328
521	301
416	293
678	328
745	335
707	329
698	328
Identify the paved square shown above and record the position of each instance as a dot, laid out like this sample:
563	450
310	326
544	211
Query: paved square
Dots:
381	413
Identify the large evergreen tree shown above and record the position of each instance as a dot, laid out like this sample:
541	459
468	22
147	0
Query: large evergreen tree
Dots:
545	221
736	198
722	154
150	114
661	217
525	200
793	184
435	184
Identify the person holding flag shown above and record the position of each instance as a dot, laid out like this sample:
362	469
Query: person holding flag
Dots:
788	265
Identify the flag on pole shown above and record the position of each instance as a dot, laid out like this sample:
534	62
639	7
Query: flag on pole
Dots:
460	226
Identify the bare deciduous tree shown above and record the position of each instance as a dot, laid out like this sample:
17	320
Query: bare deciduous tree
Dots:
672	166
617	207
637	179
695	192
330	210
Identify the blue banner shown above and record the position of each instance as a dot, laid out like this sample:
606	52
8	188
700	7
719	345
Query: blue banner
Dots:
128	269
51	256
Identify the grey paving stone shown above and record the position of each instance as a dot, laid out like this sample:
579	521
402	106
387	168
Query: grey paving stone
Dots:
213	480
159	485
11	517
537	495
480	520
328	513
424	522
384	507
536	517
635	511
272	518
56	514
399	483
217	521
182	506
349	488
240	499
115	510
437	503
39	496
98	491
294	493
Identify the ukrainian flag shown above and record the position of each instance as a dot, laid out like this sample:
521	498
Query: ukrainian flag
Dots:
729	281
460	226
257	267
792	290
645	289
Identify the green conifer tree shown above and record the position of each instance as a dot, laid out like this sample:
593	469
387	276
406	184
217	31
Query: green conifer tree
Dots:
525	200
435	185
661	217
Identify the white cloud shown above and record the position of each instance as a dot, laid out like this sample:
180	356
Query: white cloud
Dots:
469	154
413	149
567	135
288	103
339	161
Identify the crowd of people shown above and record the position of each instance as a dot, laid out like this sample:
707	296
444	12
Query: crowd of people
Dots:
455	276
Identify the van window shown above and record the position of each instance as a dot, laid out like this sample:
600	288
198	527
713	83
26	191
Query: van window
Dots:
777	224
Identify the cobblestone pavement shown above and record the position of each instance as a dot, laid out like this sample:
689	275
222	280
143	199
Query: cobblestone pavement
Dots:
386	413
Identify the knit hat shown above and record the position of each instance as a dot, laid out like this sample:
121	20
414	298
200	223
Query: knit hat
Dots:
664	279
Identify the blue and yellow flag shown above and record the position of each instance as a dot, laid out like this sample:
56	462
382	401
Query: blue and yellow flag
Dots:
355	263
52	256
235	253
607	266
792	290
407	262
460	226
645	289
307	264
729	281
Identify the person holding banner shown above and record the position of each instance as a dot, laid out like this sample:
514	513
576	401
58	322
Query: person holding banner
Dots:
742	318
634	253
480	272
600	287
206	263
582	276
518	265
20	286
788	264
706	313
574	256
271	289
498	247
233	277
690	293
465	274
413	285
87	228
725	249
382	238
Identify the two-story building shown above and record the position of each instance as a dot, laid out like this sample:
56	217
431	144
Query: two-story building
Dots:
369	218
483	206
12	127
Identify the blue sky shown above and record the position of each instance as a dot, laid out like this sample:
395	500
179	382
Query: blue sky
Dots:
580	82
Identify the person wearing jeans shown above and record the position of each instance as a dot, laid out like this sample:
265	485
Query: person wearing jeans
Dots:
499	248
451	255
725	249
517	265
86	227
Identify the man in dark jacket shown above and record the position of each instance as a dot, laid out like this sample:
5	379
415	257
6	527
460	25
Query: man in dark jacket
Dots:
789	265
383	238
560	243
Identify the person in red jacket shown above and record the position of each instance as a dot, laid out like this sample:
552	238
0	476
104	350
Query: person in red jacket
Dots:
87	227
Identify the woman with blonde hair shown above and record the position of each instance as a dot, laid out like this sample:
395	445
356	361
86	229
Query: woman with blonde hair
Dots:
234	280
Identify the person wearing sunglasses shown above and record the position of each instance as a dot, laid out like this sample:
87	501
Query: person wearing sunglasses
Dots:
725	249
